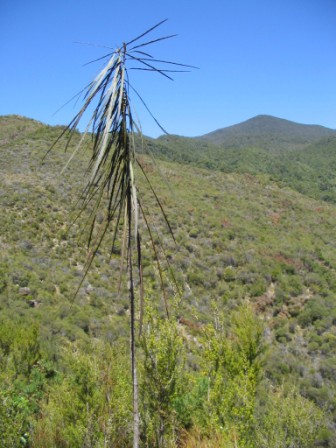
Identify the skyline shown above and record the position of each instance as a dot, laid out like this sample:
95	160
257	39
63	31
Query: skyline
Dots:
253	59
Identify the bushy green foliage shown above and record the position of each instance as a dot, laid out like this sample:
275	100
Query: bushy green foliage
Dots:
161	378
13	419
91	405
232	363
87	400
289	420
23	380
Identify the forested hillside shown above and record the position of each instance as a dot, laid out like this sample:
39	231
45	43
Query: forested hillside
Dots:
302	157
248	355
267	132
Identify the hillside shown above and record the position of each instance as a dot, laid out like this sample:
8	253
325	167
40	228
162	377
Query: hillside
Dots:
269	133
291	154
241	239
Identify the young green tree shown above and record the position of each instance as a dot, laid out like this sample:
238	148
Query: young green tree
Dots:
161	374
232	363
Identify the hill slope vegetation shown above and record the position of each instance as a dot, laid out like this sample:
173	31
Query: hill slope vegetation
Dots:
255	263
300	156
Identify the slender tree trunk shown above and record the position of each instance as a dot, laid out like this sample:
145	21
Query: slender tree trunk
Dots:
136	418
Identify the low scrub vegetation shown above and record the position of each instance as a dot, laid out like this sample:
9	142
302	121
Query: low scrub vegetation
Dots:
247	358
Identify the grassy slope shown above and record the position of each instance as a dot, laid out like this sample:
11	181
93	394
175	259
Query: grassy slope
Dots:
240	237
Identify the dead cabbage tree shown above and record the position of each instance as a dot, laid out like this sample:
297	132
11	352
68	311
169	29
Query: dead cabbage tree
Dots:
111	169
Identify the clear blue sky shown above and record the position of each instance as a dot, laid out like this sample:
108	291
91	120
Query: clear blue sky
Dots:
255	57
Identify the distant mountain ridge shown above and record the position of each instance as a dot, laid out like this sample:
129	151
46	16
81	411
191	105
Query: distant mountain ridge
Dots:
261	131
268	132
300	156
290	153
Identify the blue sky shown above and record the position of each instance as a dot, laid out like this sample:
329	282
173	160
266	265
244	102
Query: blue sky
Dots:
254	57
